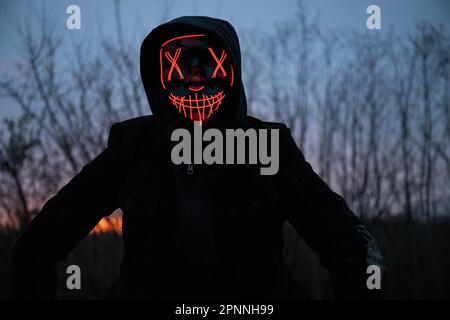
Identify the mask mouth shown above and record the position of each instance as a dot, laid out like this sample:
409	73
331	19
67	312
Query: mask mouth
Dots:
196	88
197	106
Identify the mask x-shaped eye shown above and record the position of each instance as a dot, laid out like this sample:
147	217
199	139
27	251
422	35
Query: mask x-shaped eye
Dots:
173	61
219	62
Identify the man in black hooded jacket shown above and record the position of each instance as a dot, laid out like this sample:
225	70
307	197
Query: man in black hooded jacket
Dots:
195	231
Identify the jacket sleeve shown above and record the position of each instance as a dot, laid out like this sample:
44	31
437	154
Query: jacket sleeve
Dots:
329	227
64	220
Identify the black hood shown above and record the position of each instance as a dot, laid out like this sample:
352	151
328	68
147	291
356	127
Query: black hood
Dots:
234	110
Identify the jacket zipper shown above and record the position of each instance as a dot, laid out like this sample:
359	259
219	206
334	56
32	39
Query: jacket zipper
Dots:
190	172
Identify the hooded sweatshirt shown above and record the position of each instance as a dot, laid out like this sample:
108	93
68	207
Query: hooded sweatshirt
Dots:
234	111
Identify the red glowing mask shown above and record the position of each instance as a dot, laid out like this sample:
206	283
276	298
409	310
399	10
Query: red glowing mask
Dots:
196	74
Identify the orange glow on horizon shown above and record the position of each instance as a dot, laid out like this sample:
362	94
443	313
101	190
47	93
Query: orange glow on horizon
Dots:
109	224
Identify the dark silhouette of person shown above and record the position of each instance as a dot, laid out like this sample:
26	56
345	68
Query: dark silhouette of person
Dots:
195	231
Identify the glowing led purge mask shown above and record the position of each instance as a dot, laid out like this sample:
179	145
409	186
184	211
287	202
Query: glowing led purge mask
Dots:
196	75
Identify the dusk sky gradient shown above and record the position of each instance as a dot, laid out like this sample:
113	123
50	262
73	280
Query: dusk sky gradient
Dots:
140	16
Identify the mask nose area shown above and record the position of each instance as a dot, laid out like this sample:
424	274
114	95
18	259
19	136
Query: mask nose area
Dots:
196	74
196	77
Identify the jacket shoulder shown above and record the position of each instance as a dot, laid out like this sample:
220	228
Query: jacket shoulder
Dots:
288	146
261	124
129	130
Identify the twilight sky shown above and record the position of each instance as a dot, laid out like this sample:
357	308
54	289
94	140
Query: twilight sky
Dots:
140	16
